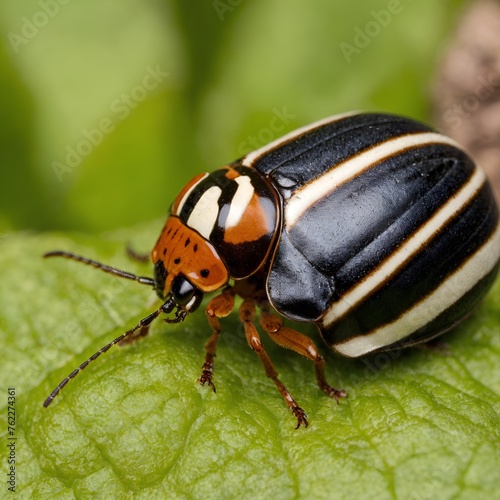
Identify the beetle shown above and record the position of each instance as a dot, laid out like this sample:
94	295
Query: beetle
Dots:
374	227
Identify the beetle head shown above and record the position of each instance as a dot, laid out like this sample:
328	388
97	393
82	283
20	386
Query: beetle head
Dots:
184	295
186	266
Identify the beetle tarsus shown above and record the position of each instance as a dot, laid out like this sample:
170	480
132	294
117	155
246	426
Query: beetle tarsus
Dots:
206	375
219	307
301	416
336	394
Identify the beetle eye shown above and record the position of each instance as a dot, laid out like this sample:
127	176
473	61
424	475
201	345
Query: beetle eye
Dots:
160	274
182	290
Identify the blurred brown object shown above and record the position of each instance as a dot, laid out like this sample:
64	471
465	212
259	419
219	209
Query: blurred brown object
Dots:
466	93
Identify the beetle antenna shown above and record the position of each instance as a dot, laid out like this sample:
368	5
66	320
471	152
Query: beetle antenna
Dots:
144	280
144	323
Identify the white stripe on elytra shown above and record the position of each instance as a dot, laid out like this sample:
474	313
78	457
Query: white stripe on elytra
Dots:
205	213
407	250
308	195
240	201
186	195
443	297
252	157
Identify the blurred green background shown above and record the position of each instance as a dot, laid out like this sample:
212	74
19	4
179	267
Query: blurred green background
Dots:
108	108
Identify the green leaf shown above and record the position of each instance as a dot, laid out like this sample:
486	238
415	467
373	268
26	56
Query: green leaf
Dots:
135	423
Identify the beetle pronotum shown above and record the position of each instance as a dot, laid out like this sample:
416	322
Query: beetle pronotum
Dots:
375	228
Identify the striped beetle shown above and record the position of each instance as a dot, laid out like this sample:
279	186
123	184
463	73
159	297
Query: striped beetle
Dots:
380	231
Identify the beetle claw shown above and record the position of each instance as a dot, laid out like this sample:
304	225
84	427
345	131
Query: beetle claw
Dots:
336	394
301	417
206	378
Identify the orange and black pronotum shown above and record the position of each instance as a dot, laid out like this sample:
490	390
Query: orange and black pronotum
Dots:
377	229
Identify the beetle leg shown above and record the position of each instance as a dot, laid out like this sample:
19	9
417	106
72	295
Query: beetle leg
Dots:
219	307
436	346
302	344
141	332
247	316
140	257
